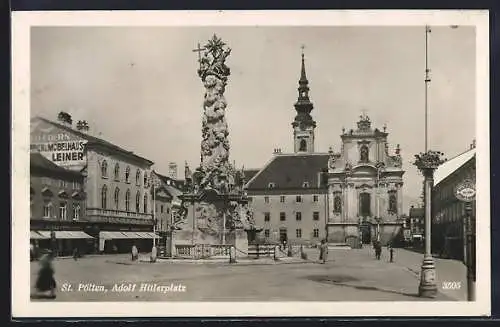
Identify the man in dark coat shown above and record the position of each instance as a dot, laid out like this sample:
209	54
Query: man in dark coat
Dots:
45	281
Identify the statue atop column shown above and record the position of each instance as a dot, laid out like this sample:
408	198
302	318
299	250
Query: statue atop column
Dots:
215	167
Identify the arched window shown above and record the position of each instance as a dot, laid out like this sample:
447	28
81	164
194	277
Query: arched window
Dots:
145	179
117	172
104	169
76	211
363	154
145	203
137	201
138	177
62	211
104	197
117	198
393	202
303	145
47	209
127	201
337	204
127	175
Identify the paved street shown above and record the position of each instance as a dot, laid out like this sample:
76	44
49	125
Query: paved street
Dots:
350	275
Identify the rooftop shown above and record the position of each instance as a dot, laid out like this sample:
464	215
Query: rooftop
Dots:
92	140
291	171
451	165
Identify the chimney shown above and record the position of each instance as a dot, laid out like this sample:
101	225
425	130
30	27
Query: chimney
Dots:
473	145
172	170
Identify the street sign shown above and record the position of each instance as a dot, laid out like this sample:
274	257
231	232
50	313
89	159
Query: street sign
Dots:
466	191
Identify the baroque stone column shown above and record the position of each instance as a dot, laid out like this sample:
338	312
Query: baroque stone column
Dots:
427	163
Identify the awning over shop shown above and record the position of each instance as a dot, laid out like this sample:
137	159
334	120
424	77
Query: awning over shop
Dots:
34	235
126	235
62	235
72	235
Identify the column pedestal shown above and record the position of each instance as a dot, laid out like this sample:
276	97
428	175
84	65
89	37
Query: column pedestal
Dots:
428	287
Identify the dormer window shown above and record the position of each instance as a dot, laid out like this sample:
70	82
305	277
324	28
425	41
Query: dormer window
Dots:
303	145
271	185
305	184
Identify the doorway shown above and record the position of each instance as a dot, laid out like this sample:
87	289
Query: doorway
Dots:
366	233
283	237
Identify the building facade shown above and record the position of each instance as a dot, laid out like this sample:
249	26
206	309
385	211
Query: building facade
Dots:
417	224
448	213
289	195
365	187
57	208
118	206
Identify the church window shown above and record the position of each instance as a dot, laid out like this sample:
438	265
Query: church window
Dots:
303	145
393	204
363	157
104	197
364	205
337	204
104	169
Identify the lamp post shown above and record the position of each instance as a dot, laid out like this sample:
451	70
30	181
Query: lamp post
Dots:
427	163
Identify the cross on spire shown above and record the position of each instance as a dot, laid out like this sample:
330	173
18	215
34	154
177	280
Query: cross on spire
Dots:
199	49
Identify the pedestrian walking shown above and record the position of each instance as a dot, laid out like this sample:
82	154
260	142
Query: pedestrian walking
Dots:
135	253
76	253
154	253
32	252
46	281
323	251
378	250
391	254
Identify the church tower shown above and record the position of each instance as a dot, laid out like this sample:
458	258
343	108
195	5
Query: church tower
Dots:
303	124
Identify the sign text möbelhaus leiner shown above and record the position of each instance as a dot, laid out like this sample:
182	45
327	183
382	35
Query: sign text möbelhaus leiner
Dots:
71	152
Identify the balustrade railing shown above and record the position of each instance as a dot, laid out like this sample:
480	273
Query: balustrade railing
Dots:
201	251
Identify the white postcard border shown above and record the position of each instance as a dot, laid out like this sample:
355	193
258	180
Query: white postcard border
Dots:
21	23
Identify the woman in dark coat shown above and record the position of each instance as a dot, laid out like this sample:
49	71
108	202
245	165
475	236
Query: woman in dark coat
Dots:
45	281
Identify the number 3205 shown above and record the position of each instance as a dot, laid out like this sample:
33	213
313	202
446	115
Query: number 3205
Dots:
451	285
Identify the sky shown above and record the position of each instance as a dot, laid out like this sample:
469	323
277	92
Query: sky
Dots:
138	87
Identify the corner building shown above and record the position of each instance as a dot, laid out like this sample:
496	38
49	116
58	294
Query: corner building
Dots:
118	208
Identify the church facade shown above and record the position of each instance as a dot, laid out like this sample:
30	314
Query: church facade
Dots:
365	187
352	196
